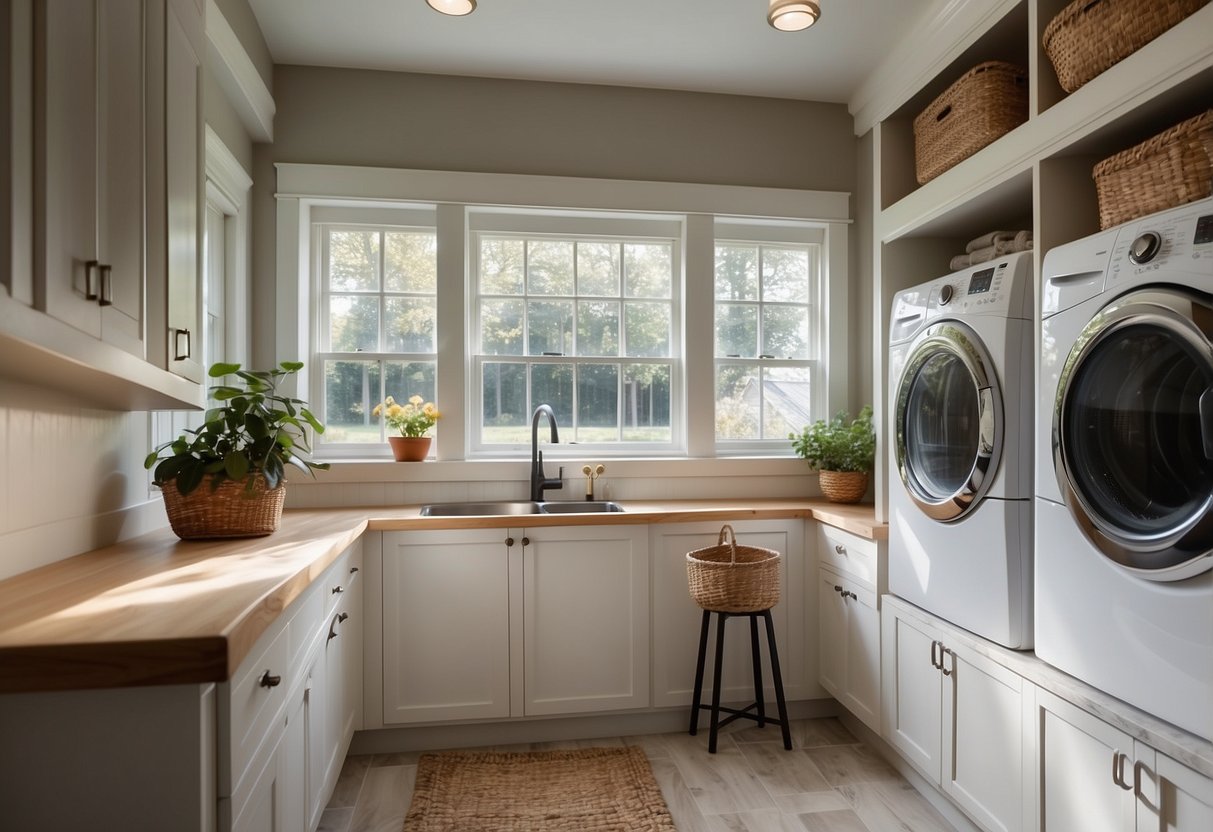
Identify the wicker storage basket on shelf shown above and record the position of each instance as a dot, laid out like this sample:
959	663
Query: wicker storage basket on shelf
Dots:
729	577
1173	168
843	486
227	511
1089	36
989	100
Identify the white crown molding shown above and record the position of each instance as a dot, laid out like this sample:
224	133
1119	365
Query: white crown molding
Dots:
238	77
917	59
224	169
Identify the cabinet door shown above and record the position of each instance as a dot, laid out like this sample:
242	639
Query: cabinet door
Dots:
983	744
1182	800
677	619
120	177
446	625
291	790
183	182
585	619
1075	765
66	176
912	691
832	633
861	677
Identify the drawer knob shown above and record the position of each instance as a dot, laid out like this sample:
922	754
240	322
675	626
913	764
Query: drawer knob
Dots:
268	681
837	588
337	590
353	569
840	549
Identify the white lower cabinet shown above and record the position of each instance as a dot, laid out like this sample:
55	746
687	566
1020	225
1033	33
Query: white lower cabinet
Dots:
483	624
849	644
1092	775
677	619
959	718
290	710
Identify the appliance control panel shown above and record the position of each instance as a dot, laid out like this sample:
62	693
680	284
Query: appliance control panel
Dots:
994	288
1178	240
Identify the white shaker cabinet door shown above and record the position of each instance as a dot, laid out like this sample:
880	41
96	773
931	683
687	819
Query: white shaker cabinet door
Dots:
912	691
1181	800
585	619
861	687
446	625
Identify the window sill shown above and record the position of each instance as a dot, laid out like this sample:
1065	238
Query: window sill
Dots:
386	470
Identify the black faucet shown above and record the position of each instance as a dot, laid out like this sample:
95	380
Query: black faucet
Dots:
539	482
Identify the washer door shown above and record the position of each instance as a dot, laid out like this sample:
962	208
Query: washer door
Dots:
948	421
1133	433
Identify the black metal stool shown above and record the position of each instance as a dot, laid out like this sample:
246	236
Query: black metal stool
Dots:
758	705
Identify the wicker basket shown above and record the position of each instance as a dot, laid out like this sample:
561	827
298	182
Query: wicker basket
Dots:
843	486
729	577
1173	168
227	511
1089	36
989	100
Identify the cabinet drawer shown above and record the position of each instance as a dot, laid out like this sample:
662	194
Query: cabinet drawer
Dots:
307	615
847	553
255	701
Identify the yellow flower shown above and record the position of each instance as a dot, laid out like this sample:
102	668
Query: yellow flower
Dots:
395	411
389	400
415	400
430	410
378	409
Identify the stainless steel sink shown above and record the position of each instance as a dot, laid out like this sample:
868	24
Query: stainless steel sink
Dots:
508	508
479	509
579	507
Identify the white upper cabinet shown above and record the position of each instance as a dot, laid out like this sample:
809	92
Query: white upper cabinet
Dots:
101	242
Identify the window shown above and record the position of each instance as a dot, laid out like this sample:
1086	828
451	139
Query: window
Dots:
586	324
377	325
766	341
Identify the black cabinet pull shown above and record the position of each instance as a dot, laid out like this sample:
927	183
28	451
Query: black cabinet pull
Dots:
509	541
337	590
90	279
268	681
353	569
178	353
107	288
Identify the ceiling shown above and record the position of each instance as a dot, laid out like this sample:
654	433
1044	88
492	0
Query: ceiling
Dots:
721	46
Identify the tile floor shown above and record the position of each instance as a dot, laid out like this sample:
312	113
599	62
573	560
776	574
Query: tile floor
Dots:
828	782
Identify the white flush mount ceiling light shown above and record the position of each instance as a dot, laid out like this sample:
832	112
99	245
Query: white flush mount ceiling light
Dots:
455	8
792	15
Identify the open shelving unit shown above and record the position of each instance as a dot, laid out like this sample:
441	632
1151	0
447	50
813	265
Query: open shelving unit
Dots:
1038	176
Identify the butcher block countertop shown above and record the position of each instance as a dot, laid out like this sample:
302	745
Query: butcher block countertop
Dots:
156	610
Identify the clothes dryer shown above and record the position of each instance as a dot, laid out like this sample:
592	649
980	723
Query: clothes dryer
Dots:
1124	471
960	449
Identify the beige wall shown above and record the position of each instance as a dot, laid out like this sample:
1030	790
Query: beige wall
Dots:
862	274
435	122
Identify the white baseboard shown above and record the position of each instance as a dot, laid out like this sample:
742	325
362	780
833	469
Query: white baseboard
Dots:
470	735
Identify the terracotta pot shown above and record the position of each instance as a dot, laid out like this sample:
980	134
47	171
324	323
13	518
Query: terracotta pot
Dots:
410	448
844	486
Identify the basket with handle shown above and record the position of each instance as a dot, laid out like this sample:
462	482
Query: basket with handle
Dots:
730	577
1089	36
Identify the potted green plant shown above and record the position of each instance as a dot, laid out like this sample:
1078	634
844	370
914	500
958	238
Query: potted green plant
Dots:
412	422
843	449
227	477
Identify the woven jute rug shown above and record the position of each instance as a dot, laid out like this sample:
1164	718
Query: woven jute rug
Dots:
582	790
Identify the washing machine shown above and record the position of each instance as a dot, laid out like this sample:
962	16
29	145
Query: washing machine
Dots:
1124	471
960	449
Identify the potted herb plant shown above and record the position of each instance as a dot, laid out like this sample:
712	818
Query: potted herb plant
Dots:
227	477
413	422
844	450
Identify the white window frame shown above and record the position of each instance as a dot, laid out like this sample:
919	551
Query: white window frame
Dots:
402	217
778	235
303	188
620	227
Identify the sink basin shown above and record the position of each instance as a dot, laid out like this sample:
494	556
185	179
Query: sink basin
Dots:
479	509
579	507
507	508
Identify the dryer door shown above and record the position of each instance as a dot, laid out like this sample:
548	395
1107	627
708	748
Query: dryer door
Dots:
948	421
1133	432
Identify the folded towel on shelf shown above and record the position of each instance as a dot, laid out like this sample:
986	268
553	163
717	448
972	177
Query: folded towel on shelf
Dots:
1021	241
987	240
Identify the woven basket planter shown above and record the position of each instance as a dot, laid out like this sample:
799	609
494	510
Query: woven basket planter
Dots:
988	101
1173	168
1089	36
843	486
227	511
729	577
